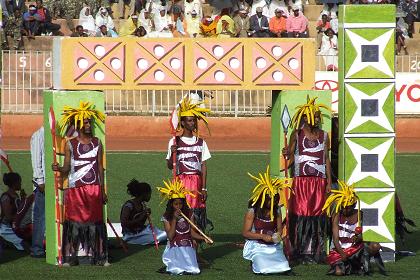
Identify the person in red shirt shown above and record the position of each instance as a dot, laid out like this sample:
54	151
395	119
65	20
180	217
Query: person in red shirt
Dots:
277	24
322	25
46	25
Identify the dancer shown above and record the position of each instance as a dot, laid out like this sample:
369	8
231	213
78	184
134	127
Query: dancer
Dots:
308	150
263	226
349	254
135	213
179	256
85	196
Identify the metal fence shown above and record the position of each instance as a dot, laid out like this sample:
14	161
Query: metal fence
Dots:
26	74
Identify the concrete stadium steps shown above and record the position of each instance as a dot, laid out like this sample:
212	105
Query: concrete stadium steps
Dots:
413	45
312	12
417	27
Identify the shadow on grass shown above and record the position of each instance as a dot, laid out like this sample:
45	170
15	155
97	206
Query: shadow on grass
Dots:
9	254
117	254
411	244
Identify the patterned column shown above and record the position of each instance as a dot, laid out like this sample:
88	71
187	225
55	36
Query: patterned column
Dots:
57	100
367	115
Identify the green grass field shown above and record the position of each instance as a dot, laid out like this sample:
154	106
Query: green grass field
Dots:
229	189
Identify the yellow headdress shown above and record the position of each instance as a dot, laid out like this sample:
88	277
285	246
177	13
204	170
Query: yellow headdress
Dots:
341	198
309	109
174	189
191	108
86	110
268	186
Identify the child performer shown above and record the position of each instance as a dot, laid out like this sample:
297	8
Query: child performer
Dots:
191	156
349	254
263	226
179	256
10	204
135	213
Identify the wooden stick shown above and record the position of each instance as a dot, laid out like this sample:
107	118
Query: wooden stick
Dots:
153	232
122	243
197	229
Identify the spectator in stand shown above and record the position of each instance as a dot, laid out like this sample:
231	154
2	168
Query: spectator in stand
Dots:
180	25
12	5
146	20
154	6
103	31
322	25
193	24
329	9
225	27
297	24
259	24
163	25
242	24
13	27
277	24
125	7
208	27
241	5
140	32
130	26
32	22
103	18
46	25
71	11
401	34
220	5
329	50
409	7
87	21
79	32
193	5
334	22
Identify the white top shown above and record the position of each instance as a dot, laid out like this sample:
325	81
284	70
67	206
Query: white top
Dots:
205	153
38	156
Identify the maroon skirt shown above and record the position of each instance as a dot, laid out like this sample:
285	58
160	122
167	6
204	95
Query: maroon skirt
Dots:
308	196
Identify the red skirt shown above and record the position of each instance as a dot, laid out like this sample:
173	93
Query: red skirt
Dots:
193	183
84	204
334	256
308	196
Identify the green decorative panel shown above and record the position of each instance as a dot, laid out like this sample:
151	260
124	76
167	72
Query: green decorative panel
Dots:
58	99
369	107
292	99
369	53
369	162
378	216
368	13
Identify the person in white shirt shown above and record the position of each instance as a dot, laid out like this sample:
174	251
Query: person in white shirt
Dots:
38	168
163	25
193	5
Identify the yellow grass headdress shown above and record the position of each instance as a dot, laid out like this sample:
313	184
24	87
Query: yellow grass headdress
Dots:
309	109
174	189
85	111
191	108
267	185
341	198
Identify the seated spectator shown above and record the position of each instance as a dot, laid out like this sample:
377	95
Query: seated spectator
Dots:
140	32
208	27
329	9
277	24
163	25
13	27
259	24
241	5
322	25
220	5
242	26
79	32
297	24
10	203
193	24
329	50
46	25
193	5
409	7
180	25
334	22
87	21
154	7
401	34
103	18
145	20
134	215
129	26
10	6
32	22
103	32
225	27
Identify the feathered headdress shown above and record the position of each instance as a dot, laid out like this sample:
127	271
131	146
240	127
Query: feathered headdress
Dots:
85	111
267	185
309	109
188	107
174	189
342	198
